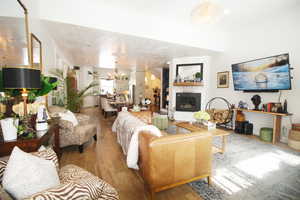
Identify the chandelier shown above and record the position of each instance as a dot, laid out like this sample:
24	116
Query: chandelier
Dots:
207	12
116	75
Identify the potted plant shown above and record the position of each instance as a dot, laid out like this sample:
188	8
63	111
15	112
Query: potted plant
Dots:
24	124
203	119
198	77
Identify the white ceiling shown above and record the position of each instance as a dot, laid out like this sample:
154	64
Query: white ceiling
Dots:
168	18
242	12
93	47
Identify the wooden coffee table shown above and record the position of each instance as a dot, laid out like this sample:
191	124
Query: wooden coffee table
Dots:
215	133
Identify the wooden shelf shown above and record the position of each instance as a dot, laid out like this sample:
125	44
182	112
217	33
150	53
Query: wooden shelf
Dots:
188	84
263	112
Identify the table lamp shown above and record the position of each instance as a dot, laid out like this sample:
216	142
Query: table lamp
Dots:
23	78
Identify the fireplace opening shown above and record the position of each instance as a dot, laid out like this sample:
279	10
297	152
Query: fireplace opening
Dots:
189	102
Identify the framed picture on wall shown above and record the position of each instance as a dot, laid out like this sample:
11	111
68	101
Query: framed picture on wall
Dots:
223	79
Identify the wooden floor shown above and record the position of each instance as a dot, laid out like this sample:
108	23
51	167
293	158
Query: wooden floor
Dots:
105	159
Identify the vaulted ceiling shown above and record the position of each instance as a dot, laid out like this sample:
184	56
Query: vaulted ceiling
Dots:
94	47
140	33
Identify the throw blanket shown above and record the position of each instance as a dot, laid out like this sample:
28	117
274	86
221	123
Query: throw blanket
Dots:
128	128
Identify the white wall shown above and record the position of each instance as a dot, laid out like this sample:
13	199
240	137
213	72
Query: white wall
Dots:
262	40
204	90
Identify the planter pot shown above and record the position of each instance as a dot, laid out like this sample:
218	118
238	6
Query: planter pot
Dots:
211	125
9	128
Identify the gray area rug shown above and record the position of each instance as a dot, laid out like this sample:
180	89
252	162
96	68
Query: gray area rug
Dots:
251	170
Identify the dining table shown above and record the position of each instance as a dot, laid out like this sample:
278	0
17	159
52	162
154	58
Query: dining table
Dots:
118	104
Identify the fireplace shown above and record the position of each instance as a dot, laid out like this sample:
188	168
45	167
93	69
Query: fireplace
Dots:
188	102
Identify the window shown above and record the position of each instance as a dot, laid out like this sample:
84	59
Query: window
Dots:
106	86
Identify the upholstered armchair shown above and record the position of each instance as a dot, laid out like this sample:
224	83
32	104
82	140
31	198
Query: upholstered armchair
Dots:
169	161
74	135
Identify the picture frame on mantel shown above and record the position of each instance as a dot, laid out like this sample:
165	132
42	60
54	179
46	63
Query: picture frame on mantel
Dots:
223	79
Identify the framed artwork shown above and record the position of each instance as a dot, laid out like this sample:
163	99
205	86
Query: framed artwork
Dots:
223	79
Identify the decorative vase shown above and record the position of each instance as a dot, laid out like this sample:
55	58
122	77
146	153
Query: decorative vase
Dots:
240	116
9	128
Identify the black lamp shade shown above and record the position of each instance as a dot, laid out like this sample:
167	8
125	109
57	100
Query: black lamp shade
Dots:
19	78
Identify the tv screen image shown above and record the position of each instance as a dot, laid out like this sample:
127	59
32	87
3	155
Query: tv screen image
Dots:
272	73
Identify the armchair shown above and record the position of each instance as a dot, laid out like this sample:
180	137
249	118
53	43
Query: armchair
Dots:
75	135
169	161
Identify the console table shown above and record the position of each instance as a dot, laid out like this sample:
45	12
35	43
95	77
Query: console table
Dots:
31	145
276	119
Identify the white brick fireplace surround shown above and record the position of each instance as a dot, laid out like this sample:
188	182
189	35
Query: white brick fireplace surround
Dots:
204	90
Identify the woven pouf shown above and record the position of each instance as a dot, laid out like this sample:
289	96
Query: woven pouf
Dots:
266	134
294	139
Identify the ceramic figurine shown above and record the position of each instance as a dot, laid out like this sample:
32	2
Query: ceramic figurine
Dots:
41	120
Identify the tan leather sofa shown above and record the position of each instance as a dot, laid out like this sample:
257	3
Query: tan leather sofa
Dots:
173	160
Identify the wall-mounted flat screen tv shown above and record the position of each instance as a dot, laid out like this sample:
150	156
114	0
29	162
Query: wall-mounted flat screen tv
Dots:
265	74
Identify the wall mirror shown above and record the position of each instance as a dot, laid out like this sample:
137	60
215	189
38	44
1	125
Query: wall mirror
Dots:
190	72
14	36
36	52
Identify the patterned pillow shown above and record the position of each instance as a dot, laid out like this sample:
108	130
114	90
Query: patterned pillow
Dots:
2	169
48	154
78	184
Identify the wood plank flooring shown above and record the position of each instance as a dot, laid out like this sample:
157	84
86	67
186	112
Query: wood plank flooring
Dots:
105	159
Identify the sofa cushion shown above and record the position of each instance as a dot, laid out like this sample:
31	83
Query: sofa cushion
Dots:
77	184
26	174
82	118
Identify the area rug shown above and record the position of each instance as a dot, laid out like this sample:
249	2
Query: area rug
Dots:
251	170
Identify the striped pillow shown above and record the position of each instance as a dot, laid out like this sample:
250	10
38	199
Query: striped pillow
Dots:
48	154
2	169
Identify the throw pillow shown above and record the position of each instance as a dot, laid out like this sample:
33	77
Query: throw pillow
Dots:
47	154
69	116
2	169
26	174
43	152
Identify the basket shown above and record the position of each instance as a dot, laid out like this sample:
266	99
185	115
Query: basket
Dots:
294	139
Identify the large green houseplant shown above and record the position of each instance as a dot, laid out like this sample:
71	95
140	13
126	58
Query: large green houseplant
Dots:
74	97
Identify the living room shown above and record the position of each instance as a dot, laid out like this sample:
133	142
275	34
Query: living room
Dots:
149	100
